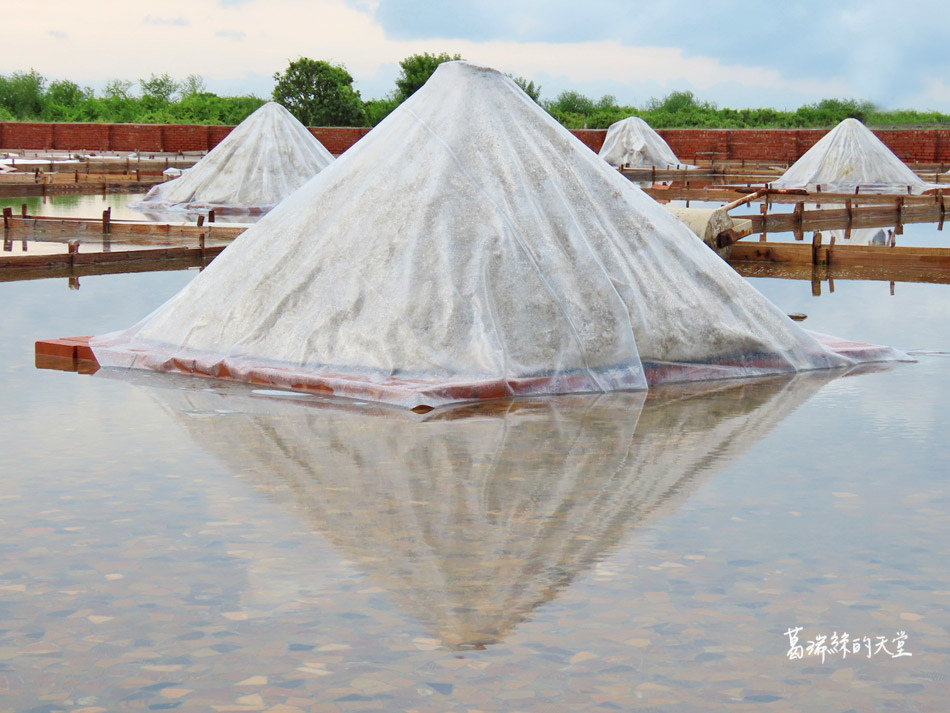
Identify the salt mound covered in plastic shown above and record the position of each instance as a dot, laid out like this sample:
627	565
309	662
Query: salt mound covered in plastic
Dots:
469	247
847	157
263	160
633	142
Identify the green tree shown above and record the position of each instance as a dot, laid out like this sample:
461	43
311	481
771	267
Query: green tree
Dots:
319	94
191	85
21	94
118	89
571	102
529	88
64	101
379	109
160	88
416	70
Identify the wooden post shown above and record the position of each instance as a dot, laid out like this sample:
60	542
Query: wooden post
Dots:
210	216
815	282
201	244
201	220
7	215
73	249
106	220
23	210
899	225
847	205
815	247
138	176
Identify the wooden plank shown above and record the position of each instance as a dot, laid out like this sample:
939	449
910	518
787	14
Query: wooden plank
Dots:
793	271
9	265
843	255
73	272
71	226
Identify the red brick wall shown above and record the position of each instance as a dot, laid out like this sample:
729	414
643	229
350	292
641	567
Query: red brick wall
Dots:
338	140
217	133
134	137
91	137
591	138
785	145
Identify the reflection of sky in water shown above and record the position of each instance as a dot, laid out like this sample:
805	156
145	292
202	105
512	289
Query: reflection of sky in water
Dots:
91	207
157	540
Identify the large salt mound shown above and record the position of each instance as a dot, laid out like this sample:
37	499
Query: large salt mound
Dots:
847	157
263	160
633	142
468	247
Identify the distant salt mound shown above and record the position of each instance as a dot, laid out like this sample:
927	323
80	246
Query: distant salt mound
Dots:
633	142
263	160
469	247
850	156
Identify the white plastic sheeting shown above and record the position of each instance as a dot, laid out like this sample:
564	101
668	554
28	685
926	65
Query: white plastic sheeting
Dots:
847	157
263	160
469	247
633	142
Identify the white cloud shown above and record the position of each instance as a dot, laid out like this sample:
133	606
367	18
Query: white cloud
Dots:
198	36
171	21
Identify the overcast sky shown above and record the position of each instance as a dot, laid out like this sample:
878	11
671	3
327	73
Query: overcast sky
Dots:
735	53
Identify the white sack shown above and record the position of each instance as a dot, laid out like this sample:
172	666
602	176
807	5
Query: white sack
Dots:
263	160
468	247
847	157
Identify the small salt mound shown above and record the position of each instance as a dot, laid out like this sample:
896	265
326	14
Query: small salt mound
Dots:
263	160
847	157
633	142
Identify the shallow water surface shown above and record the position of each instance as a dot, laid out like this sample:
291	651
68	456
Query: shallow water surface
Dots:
91	206
171	544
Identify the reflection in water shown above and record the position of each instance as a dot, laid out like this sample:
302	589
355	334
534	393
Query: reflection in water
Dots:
470	518
176	217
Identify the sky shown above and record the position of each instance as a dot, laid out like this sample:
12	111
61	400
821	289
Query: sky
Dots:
733	53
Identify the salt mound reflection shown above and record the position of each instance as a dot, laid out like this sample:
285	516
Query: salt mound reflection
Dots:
470	518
